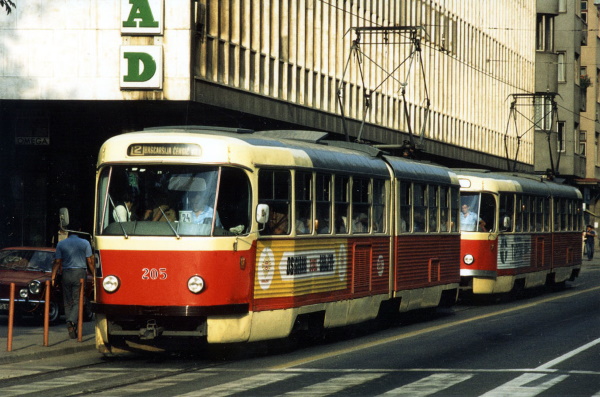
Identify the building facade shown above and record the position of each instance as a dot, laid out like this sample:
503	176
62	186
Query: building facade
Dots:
436	74
590	123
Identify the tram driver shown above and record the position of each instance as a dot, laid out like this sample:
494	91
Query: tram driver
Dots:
202	212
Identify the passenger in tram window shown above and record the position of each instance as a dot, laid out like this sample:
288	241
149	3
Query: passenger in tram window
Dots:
468	219
202	212
161	209
302	217
361	223
444	221
301	226
340	225
482	226
419	220
123	212
432	225
278	221
322	226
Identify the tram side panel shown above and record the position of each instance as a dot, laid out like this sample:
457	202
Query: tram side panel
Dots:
567	259
341	280
426	266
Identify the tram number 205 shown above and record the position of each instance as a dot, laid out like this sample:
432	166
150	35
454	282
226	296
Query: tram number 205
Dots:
154	274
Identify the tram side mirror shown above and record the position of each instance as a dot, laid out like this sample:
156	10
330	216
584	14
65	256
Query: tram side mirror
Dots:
262	214
506	222
63	216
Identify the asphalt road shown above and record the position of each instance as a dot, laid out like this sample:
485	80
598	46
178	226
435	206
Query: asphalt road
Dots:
543	344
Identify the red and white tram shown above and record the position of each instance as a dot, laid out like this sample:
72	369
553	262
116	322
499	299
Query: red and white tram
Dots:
232	236
517	232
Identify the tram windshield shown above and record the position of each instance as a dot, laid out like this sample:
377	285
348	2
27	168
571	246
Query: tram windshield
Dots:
478	212
173	200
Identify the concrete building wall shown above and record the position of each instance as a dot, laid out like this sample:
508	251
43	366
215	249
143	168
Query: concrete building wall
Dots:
71	50
299	52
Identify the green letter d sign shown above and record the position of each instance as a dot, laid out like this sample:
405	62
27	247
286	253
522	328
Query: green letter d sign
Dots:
140	67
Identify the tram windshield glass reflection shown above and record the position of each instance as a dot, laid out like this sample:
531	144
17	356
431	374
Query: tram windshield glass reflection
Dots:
173	200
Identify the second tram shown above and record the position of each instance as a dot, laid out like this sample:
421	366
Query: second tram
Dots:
517	232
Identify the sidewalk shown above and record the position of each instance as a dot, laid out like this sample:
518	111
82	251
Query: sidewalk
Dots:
28	341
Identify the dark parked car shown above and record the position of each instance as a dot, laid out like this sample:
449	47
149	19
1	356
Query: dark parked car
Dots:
29	268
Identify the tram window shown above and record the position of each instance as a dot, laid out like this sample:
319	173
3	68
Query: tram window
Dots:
469	211
556	214
360	205
419	208
538	206
506	212
274	190
547	213
167	200
433	208
379	205
519	214
526	213
323	202
578	218
303	202
454	208
571	214
487	213
564	225
444	209
405	198
342	204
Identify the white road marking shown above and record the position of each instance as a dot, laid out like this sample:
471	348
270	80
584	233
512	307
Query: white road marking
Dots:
335	385
568	355
525	386
429	385
241	385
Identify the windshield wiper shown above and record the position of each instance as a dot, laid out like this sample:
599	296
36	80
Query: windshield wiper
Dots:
117	216
169	222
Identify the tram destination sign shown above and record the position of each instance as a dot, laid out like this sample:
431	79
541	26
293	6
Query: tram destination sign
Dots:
164	149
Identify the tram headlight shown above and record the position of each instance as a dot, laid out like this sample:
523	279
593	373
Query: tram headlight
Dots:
468	259
34	287
23	293
110	283
196	284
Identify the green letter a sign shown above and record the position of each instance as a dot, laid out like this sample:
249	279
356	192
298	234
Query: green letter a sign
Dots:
142	16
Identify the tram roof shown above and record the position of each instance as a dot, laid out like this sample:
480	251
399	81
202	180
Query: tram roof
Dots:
413	170
532	184
334	156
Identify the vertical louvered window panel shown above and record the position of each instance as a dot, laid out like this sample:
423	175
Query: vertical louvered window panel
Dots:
362	269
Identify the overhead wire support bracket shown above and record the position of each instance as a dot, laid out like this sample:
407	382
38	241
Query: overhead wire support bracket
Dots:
379	35
538	123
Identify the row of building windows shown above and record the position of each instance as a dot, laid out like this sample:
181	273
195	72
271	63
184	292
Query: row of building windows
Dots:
283	49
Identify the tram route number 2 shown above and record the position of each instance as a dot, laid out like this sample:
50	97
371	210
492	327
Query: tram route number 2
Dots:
154	274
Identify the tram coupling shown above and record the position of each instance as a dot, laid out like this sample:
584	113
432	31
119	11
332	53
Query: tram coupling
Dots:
151	331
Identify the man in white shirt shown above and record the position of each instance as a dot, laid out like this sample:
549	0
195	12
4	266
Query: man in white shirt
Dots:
202	213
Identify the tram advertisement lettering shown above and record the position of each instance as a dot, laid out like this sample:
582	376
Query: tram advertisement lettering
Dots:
300	264
513	251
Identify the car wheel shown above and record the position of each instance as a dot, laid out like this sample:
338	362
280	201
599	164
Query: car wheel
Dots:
54	312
